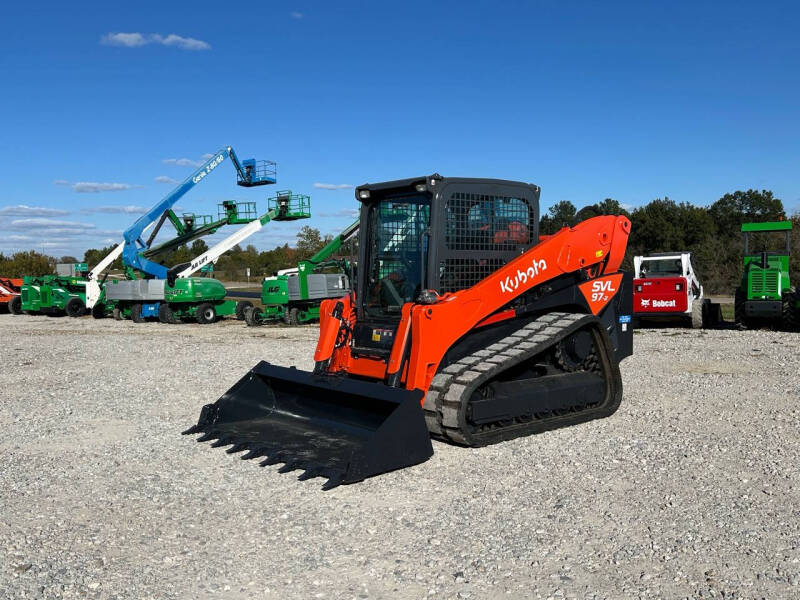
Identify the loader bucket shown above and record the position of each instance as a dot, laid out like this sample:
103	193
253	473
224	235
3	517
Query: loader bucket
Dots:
328	426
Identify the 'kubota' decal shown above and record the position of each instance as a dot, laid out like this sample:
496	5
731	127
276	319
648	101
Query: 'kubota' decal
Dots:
599	291
510	284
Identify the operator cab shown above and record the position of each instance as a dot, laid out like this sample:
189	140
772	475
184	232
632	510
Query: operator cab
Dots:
431	235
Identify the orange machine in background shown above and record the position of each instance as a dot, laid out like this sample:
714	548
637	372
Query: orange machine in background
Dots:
9	295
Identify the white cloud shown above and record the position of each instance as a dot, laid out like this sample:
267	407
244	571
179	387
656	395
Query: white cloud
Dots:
136	40
184	43
22	210
54	236
333	186
207	155
130	209
345	212
94	187
51	226
183	162
165	179
129	40
296	15
37	222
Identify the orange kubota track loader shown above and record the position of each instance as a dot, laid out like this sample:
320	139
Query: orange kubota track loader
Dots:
465	325
9	294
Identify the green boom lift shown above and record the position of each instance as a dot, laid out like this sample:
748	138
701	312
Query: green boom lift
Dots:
765	295
188	228
295	295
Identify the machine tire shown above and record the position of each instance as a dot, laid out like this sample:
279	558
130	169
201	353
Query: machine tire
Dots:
99	311
292	318
738	308
75	308
697	314
241	307
116	313
166	314
15	305
206	313
790	319
136	313
251	316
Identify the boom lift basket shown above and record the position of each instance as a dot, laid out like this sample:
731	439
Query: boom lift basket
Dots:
334	427
256	172
289	206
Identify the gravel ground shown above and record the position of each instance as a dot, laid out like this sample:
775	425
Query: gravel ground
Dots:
689	490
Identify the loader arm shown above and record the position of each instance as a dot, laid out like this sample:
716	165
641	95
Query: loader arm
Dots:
597	245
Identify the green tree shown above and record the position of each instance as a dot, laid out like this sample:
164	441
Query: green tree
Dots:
31	263
309	242
608	206
562	213
199	247
730	211
94	255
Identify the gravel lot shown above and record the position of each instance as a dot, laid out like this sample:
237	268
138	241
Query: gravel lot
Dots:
689	490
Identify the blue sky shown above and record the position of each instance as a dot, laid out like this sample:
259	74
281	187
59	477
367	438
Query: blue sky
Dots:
589	100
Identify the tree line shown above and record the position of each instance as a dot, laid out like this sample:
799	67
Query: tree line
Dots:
234	263
711	233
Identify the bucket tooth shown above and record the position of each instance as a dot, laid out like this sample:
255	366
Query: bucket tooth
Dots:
254	453
309	474
273	459
335	427
192	430
332	483
237	448
289	466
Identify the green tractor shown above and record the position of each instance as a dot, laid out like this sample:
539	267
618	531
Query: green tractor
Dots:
765	295
59	294
294	295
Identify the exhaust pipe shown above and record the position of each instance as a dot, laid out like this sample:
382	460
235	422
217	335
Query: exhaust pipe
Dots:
329	426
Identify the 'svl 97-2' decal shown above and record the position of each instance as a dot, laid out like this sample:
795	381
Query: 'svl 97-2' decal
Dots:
599	291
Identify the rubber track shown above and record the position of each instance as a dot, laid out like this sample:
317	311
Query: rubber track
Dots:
452	388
